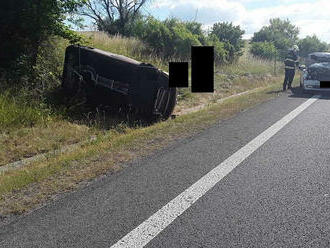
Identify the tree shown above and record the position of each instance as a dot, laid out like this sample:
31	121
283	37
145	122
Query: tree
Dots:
221	55
265	49
196	29
174	38
156	35
311	44
231	36
169	38
113	16
282	33
26	24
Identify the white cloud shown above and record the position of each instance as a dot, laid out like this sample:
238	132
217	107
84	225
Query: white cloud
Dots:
312	17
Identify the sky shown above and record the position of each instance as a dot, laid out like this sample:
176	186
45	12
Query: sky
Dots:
312	17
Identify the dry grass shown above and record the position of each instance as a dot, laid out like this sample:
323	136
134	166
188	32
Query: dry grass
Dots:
225	85
115	44
249	65
129	47
27	142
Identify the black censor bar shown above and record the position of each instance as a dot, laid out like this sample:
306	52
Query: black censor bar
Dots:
202	70
178	74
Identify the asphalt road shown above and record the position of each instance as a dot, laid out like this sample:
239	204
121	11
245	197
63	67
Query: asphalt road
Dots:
279	196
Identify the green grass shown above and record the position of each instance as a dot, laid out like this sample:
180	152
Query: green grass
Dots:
16	113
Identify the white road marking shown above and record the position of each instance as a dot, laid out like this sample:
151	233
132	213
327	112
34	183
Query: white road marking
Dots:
150	228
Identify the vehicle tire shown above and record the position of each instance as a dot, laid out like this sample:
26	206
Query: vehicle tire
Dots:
171	103
165	102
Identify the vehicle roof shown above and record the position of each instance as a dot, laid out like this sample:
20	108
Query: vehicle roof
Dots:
320	54
118	56
112	55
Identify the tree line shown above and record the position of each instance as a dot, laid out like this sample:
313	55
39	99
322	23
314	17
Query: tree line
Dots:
27	25
275	39
124	17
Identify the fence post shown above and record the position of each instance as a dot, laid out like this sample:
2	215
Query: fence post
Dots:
275	63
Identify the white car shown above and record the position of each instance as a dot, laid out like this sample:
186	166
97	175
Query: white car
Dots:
315	75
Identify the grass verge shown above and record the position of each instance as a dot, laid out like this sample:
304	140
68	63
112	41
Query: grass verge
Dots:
49	122
26	188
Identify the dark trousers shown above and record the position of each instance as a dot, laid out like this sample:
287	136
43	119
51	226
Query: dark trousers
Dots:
289	75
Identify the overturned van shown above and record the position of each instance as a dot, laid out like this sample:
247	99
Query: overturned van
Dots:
316	74
118	81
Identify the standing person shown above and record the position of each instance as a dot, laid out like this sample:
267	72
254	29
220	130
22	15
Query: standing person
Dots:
291	61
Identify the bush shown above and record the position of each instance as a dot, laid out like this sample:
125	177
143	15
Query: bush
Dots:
282	33
196	29
25	25
169	38
265	50
311	44
221	55
155	34
174	38
231	36
182	39
45	75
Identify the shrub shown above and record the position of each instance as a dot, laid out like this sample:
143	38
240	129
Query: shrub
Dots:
282	33
265	50
311	44
196	29
221	55
169	38
155	34
174	38
231	36
25	25
182	40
